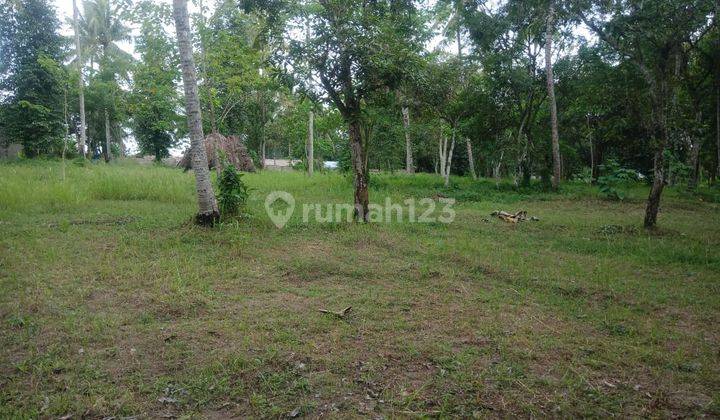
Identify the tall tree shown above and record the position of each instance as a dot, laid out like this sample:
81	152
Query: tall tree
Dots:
82	138
509	42
359	48
311	143
208	213
30	52
154	100
453	13
104	29
311	116
244	91
631	28
443	92
405	110
207	80
551	94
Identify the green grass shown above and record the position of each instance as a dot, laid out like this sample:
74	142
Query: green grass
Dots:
112	303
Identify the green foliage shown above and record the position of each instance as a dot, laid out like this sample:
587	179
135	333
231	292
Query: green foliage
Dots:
261	70
614	176
232	191
30	78
677	170
103	28
584	176
155	99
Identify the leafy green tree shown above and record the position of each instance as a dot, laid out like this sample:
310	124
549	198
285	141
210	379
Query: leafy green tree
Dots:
355	49
631	28
239	89
30	53
509	42
442	91
155	100
103	27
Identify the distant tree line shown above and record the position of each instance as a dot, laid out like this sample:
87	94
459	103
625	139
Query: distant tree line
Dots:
458	87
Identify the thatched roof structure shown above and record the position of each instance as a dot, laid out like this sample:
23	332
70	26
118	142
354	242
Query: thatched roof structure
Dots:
222	149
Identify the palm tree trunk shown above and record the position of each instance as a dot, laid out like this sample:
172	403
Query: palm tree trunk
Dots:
206	78
409	166
208	212
82	139
551	96
108	152
310	146
311	143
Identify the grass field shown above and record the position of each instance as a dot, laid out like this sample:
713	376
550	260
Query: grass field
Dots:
112	303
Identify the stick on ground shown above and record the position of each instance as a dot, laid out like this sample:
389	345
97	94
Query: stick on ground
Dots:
340	314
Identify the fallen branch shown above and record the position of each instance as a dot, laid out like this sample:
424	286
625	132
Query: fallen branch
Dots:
340	314
520	216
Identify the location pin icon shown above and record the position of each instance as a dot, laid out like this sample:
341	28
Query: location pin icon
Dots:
280	218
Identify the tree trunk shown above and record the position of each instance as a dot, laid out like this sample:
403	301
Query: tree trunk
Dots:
496	168
206	78
409	166
695	145
661	136
67	129
208	212
263	156
442	150
717	127
653	203
449	157
108	152
471	160
592	151
82	138
311	144
360	171
551	97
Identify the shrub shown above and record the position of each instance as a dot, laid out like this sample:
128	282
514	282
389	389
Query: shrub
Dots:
584	176
233	191
613	176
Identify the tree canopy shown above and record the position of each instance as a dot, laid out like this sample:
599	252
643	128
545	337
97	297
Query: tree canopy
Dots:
391	84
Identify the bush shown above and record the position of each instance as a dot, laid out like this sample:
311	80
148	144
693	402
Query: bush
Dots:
584	176
233	191
614	176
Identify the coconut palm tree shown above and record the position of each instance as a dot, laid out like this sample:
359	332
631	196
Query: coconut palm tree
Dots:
208	209
103	28
81	85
